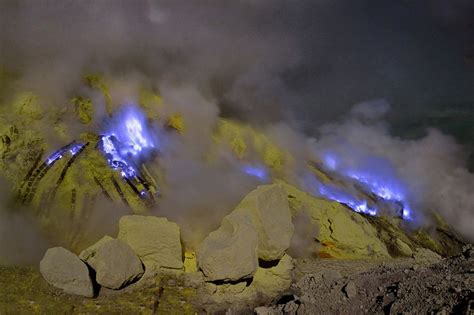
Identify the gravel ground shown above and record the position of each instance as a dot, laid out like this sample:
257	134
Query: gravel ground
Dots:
398	287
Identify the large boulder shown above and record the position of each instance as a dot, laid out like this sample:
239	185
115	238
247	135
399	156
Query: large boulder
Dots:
115	264
267	207
230	252
155	240
343	233
90	252
66	271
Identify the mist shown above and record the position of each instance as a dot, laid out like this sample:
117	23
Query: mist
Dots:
294	69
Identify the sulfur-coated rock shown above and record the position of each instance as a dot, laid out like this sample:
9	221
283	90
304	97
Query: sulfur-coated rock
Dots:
272	281
270	214
155	240
343	233
66	271
115	264
426	256
403	248
230	252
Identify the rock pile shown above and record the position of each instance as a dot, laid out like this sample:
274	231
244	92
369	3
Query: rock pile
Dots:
246	258
259	228
143	243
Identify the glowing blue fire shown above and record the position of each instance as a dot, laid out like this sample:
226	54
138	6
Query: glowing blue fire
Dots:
314	186
258	172
73	148
128	141
374	175
54	157
339	195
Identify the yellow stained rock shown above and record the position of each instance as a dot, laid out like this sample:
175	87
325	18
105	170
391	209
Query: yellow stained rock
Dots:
343	233
95	81
272	281
190	262
176	122
83	109
246	142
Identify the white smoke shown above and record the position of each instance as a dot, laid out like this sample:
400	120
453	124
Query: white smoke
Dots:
433	167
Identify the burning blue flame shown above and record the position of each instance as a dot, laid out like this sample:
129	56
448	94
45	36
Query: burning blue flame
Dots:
340	195
314	186
258	172
375	175
73	148
128	141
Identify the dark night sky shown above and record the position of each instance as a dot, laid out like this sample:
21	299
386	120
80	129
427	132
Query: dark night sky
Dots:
306	61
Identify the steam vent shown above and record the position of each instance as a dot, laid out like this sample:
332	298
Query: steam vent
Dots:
165	157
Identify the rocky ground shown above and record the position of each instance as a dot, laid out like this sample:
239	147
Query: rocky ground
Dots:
405	286
425	284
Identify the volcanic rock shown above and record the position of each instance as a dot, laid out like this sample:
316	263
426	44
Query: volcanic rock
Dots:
260	227
155	240
230	252
274	280
343	233
115	264
403	247
66	271
426	256
268	209
89	252
350	289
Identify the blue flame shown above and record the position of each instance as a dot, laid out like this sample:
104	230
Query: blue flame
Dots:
375	175
342	196
258	172
330	160
54	157
128	141
73	148
339	194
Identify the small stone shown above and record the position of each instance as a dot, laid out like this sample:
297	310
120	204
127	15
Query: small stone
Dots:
350	289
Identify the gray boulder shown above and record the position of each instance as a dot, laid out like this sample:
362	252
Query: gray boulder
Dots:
230	252
270	214
66	271
115	264
89	252
155	240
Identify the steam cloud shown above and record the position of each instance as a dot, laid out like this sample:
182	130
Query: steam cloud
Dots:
291	66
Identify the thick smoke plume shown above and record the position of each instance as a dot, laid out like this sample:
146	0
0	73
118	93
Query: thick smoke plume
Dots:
433	167
289	67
